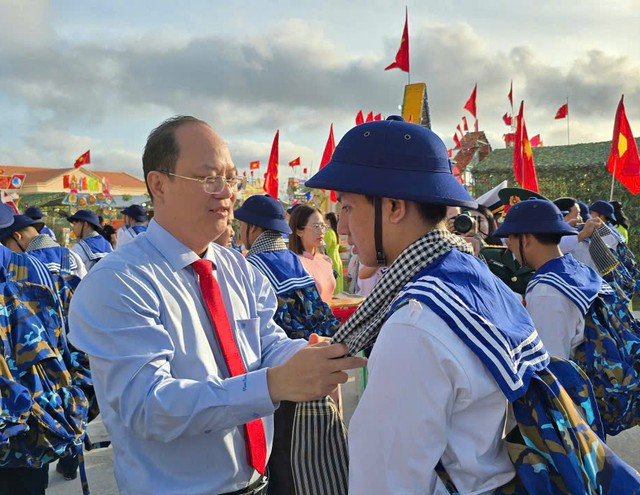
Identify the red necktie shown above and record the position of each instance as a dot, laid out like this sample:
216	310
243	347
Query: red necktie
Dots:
254	430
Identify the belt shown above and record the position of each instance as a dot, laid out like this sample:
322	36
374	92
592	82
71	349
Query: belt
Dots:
258	487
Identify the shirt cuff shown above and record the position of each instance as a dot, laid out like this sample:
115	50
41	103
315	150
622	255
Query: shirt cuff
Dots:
249	396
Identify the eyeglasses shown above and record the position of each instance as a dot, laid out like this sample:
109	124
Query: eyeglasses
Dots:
215	185
319	228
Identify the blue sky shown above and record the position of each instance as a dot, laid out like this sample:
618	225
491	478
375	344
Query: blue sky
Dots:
100	75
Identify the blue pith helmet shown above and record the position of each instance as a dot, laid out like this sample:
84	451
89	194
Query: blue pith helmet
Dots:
6	215
34	212
604	208
20	222
534	216
136	212
393	159
86	216
263	211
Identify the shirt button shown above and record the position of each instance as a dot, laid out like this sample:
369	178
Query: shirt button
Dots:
514	279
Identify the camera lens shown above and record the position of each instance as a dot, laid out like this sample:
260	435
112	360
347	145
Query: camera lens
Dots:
462	223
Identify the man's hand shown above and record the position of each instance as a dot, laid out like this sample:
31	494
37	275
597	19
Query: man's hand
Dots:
311	373
589	226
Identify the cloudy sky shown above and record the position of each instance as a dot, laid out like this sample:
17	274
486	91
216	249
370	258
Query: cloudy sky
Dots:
100	75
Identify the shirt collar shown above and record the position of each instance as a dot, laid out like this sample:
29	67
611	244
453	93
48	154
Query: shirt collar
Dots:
177	254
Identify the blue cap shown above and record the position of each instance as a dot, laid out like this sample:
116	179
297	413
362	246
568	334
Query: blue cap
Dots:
86	216
534	216
136	212
584	210
263	211
394	159
604	208
34	212
20	222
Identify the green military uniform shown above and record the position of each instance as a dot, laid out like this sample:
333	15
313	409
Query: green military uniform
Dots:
503	265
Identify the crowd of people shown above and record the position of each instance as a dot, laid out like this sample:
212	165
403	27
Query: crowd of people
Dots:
496	331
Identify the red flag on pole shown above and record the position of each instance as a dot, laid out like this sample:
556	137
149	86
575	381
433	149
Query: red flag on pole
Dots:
624	162
254	165
510	96
470	105
270	185
326	156
508	119
295	162
524	167
536	141
377	117
458	129
359	118
83	159
562	112
369	117
402	57
456	140
465	126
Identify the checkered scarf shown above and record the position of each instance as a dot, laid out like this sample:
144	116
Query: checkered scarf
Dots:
361	330
600	253
269	240
319	457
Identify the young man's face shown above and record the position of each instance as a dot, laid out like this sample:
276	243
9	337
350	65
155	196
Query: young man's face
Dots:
356	222
573	217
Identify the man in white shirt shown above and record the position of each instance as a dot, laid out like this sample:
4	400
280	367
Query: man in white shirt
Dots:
432	400
188	364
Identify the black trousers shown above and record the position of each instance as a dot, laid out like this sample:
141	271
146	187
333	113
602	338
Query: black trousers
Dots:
280	474
24	481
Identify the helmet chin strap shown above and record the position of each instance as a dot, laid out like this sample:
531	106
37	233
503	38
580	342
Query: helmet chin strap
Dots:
247	236
521	248
377	231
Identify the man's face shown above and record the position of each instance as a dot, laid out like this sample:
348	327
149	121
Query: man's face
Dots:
193	215
514	246
573	217
356	222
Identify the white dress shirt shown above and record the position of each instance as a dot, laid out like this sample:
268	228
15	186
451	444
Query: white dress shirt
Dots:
558	320
174	416
428	398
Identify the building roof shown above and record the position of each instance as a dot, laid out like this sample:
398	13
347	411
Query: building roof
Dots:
45	179
548	158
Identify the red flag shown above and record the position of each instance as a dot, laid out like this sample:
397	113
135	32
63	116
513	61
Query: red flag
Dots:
369	117
536	141
562	112
450	153
456	173
456	140
510	96
326	156
464	124
254	165
83	159
377	117
359	118
509	138
624	161
304	171
270	185
65	182
458	129
402	57
295	162
470	105
244	173
524	167
508	119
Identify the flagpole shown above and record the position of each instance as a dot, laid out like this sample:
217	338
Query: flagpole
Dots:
568	138
613	178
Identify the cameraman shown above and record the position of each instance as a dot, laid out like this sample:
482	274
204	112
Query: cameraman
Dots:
475	226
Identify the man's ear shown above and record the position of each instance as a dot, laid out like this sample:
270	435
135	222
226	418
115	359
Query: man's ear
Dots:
156	183
395	209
